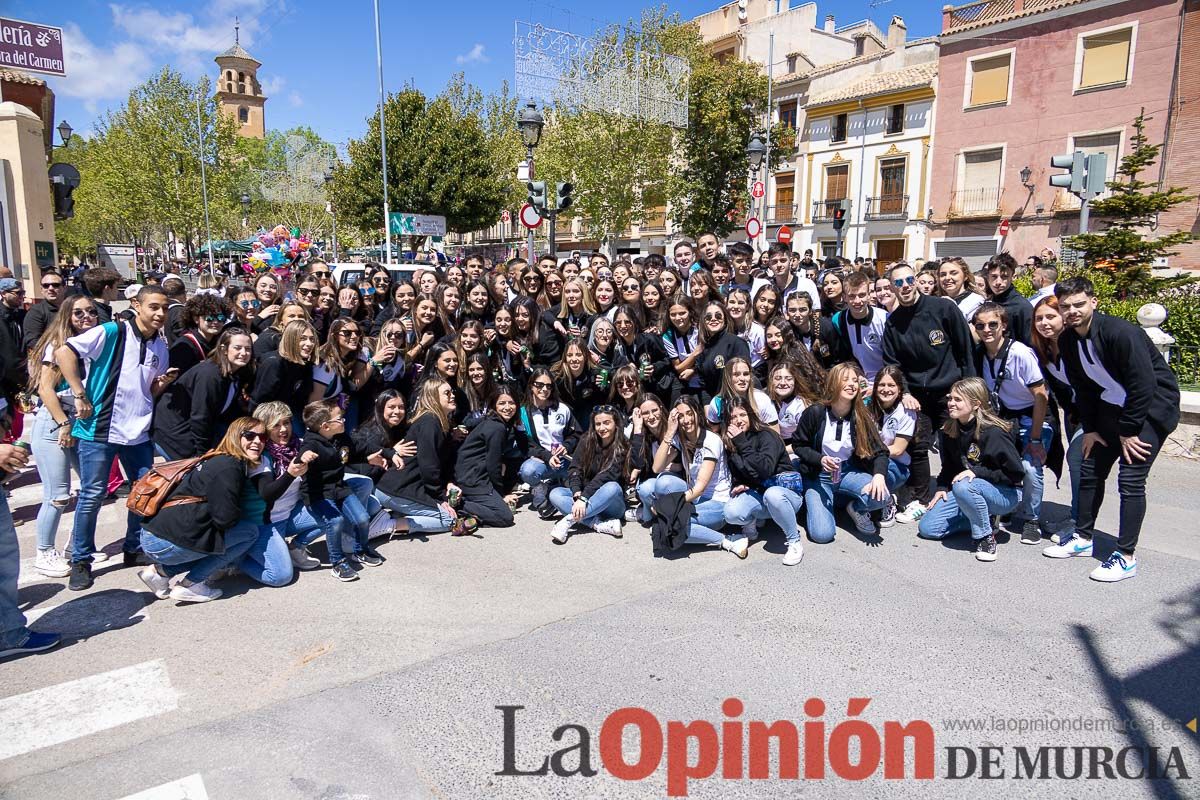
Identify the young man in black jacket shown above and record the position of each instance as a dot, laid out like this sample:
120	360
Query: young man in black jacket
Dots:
999	272
1128	403
41	314
928	339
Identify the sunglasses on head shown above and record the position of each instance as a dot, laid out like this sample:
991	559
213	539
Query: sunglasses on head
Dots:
909	281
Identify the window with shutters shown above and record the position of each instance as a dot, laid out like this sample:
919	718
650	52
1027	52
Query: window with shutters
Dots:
988	80
837	128
787	114
784	209
1104	59
837	180
979	187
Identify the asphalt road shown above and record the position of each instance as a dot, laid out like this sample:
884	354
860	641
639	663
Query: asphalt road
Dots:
389	687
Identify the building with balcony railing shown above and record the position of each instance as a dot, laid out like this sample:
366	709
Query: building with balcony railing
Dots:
1020	81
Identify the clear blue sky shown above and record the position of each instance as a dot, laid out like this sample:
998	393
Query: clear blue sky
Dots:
319	56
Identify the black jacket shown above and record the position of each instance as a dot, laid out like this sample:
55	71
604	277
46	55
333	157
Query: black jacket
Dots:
37	320
672	522
990	453
607	470
201	526
480	461
1126	353
368	439
756	457
194	411
647	350
424	477
267	343
279	379
326	476
14	371
930	342
188	350
1020	314
174	326
717	353
806	444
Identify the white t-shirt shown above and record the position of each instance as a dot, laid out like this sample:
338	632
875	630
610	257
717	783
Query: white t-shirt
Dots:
709	449
767	413
680	347
968	304
1021	371
755	336
123	369
789	416
836	441
866	339
898	422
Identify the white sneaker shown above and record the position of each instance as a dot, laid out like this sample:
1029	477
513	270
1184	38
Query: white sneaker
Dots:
794	554
189	592
631	515
1118	567
738	545
99	556
561	530
887	519
611	527
1070	546
51	564
159	584
301	560
911	513
862	519
750	531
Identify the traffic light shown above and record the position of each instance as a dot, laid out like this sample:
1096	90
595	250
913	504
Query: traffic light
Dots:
839	214
1097	174
64	179
537	195
1072	181
564	195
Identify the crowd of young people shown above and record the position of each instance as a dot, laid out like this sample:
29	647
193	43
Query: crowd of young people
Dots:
700	398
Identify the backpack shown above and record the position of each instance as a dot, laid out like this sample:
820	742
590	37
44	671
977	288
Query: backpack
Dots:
149	493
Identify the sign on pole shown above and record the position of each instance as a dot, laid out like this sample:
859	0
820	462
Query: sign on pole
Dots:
530	217
31	46
753	227
505	216
759	189
785	235
1004	228
404	224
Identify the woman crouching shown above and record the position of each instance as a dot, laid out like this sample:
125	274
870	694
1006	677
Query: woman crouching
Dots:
594	496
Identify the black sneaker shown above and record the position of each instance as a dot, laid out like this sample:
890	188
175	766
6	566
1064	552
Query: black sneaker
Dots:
985	548
547	512
344	572
370	558
81	576
135	559
1031	532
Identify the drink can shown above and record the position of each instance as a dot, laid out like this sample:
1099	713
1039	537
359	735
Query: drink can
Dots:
836	475
24	445
453	496
603	377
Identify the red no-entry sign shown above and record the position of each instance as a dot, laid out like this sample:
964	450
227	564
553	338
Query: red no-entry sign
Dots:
753	227
530	218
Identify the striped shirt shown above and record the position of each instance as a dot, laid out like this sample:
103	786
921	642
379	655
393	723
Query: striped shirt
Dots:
122	371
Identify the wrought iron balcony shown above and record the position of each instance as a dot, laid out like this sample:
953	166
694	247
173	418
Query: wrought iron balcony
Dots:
976	202
781	213
887	206
823	209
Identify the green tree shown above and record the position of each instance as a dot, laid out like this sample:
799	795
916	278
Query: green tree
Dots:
1128	211
438	163
284	176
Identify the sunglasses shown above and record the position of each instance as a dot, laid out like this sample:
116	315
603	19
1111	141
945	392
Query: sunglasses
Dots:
627	382
631	287
714	317
15	291
81	313
218	318
52	285
909	281
320	274
987	326
380	280
309	292
542	385
350	334
250	436
250	304
395	335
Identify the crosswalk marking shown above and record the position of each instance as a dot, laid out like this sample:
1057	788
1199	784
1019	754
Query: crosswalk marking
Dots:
189	788
58	714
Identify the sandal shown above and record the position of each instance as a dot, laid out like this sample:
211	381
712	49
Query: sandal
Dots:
465	526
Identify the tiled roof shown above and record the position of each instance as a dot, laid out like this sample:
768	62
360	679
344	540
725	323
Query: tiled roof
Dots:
237	51
980	15
12	76
881	83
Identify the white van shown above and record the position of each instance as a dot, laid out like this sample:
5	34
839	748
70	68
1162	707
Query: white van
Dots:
346	273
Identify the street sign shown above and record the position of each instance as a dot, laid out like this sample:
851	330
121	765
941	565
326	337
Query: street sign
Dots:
505	216
31	47
43	254
529	216
759	189
1004	228
404	224
785	235
753	227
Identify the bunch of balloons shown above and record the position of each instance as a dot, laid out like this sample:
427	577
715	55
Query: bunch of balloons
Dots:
278	250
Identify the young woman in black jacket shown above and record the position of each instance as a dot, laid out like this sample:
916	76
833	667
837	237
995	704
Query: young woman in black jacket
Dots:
645	352
479	467
191	415
765	484
206	529
594	496
577	382
721	345
981	474
268	340
286	375
417	490
841	456
204	317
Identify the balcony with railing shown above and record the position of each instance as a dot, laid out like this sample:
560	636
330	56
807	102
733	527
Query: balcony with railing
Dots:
781	213
977	203
984	11
823	209
887	206
654	221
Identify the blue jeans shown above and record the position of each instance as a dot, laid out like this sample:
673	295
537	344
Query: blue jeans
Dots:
969	505
608	502
353	517
541	477
421	518
176	560
897	475
708	517
364	489
819	496
1034	486
645	493
95	461
13	632
780	504
268	560
54	465
304	528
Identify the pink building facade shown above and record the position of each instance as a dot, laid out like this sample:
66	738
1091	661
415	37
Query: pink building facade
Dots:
1020	81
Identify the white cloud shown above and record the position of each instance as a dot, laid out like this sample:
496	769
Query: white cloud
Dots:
476	55
295	99
94	73
273	85
178	32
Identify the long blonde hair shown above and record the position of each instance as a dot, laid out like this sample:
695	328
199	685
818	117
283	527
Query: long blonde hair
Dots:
429	401
866	430
976	393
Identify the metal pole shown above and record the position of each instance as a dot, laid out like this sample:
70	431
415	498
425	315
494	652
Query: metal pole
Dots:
839	242
333	212
204	182
387	226
767	154
1083	216
529	245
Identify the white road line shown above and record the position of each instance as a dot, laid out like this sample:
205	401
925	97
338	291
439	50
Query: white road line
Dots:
58	714
189	788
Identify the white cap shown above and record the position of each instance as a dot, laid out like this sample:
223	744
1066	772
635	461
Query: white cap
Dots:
131	290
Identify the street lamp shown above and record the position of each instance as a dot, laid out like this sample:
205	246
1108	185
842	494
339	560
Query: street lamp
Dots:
332	212
65	130
755	151
1026	174
530	123
245	198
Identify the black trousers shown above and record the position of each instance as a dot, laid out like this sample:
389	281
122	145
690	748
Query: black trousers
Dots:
1131	485
933	408
487	506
